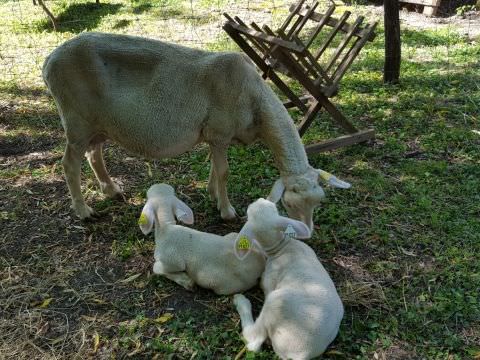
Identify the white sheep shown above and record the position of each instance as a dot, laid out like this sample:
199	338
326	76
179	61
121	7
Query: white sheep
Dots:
302	310
159	100
191	257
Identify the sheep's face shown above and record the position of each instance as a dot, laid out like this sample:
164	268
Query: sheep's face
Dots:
301	194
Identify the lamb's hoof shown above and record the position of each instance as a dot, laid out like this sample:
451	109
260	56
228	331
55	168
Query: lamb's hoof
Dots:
190	285
228	214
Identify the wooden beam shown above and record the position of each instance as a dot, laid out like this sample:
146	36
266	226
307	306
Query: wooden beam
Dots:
346	140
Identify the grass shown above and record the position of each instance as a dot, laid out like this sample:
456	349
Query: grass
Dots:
401	246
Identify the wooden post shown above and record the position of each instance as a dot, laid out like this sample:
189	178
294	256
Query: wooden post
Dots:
391	73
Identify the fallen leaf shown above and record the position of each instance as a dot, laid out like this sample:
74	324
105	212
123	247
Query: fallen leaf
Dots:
45	303
164	318
130	278
96	341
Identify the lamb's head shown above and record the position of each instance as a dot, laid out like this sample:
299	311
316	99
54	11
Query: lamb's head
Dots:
301	194
163	207
267	228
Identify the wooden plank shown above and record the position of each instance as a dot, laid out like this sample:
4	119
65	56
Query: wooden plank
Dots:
266	38
422	2
346	140
333	22
304	19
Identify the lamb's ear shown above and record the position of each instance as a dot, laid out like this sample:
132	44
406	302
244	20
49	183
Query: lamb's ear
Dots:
147	218
333	180
277	191
243	244
183	213
294	228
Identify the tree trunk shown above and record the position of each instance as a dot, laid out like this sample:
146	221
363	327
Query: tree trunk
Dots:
391	72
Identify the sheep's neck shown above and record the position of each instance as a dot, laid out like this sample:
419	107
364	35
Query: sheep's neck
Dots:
281	136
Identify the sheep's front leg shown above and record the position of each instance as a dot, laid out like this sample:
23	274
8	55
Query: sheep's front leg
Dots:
253	332
180	277
212	180
220	174
72	163
95	159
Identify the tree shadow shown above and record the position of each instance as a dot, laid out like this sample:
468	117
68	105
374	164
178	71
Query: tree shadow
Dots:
79	17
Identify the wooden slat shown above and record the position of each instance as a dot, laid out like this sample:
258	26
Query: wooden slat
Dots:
333	22
320	26
234	34
304	20
350	56
266	38
292	66
294	9
309	117
259	45
358	137
344	42
304	99
332	34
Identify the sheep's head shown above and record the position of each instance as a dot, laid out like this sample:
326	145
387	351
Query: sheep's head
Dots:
301	194
268	229
163	207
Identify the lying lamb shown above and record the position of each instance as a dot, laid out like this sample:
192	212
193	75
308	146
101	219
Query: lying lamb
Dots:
302	310
191	257
159	100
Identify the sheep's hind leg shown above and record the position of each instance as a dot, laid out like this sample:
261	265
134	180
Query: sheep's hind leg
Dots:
220	165
95	159
72	162
253	332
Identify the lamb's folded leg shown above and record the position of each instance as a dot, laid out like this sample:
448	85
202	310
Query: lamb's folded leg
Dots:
253	332
180	277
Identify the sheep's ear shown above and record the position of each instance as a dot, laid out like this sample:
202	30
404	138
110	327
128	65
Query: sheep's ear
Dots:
277	191
147	218
333	180
243	244
294	228
183	213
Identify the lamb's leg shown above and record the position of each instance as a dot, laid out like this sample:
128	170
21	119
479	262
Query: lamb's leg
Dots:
95	159
253	332
180	277
220	164
72	162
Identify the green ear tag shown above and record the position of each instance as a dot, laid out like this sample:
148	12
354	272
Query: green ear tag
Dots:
243	243
143	219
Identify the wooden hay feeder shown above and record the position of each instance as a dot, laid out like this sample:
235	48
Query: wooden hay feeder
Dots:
319	72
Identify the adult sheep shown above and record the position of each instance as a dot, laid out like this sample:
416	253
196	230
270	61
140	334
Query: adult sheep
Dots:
159	100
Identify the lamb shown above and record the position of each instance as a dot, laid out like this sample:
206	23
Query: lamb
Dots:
191	257
159	100
302	310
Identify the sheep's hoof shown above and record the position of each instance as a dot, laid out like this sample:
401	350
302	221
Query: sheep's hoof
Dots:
114	191
228	214
84	212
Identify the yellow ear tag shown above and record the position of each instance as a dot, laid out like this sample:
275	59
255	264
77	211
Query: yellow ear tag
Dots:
243	243
325	175
143	219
